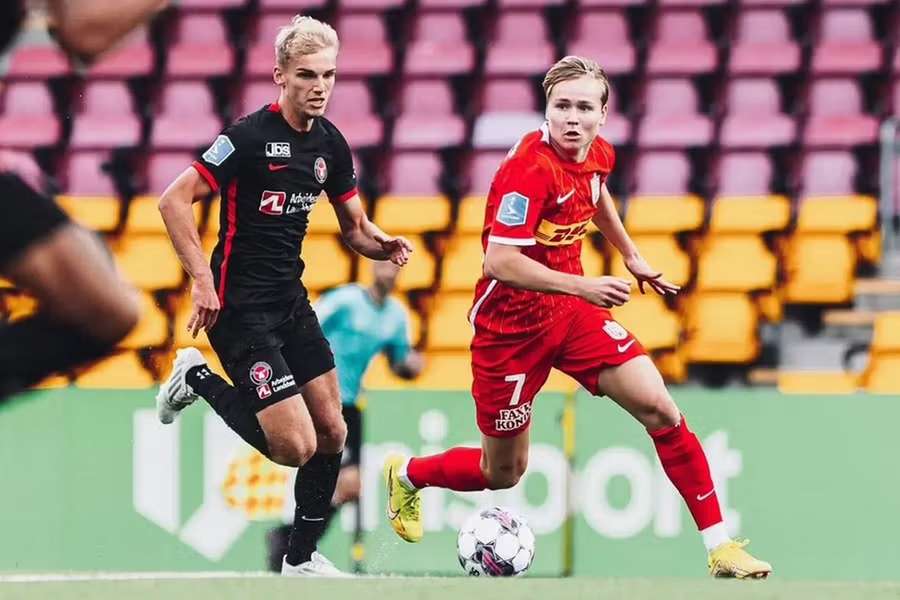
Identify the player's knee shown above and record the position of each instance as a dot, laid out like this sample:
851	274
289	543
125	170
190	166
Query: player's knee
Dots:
292	451
332	434
121	316
507	474
659	411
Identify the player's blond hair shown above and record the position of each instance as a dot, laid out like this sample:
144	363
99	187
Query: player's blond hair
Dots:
304	35
573	67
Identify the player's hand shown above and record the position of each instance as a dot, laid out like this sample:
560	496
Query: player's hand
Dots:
606	292
644	274
397	249
204	307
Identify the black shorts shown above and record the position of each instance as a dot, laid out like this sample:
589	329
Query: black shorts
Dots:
26	216
269	354
353	445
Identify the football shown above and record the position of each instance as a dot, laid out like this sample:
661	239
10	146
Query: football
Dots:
495	542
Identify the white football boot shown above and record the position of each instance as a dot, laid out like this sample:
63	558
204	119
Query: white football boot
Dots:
316	566
175	394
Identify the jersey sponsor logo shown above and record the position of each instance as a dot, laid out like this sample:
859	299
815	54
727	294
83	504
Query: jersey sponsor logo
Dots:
552	234
221	149
278	149
320	170
260	372
513	209
263	391
511	419
282	383
301	203
615	331
272	203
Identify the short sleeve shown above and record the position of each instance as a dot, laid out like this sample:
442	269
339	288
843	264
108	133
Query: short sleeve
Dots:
520	190
341	183
219	163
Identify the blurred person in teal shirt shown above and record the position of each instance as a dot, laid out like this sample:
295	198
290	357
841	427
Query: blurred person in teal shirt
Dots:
359	322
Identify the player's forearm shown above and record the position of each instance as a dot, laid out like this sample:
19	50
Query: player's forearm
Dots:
362	239
178	216
610	225
517	270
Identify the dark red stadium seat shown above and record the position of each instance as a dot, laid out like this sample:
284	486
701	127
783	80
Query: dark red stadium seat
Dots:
744	174
27	120
37	62
846	44
828	173
163	168
427	119
350	108
255	95
836	118
763	44
671	117
105	118
439	46
508	95
604	35
414	174
681	45
132	58
520	45
83	175
200	47
690	3
662	173
482	169
754	118
186	117
772	3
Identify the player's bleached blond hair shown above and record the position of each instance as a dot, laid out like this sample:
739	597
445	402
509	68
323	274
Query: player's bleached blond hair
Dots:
573	67
304	35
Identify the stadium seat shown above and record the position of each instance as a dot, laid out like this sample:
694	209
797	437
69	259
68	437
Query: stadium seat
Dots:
609	3
846	45
470	219
501	130
754	118
721	328
662	173
153	328
738	214
820	269
365	49
672	118
191	5
520	45
482	169
662	253
28	120
886	334
838	214
592	260
352	111
37	62
106	118
53	382
19	305
186	119
828	173
84	176
463	264
762	44
134	57
427	120
439	46
100	213
414	174
144	217
649	319
417	274
413	214
743	174
660	214
322	219
327	262
508	95
200	47
149	262
446	370
817	382
604	34
836	116
681	45
448	327
883	375
735	263
182	335
122	370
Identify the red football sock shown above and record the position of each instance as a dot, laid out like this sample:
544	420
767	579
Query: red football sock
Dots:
456	469
685	463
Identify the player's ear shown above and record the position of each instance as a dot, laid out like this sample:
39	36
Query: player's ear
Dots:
604	112
278	75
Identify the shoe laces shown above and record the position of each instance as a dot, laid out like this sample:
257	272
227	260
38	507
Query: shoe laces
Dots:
412	506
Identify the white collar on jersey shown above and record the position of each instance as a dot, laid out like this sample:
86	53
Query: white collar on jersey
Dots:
545	132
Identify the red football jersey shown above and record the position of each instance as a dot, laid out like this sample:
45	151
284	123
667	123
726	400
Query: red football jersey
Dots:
544	204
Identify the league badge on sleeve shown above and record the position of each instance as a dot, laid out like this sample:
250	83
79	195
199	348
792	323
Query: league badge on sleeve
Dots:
513	209
221	149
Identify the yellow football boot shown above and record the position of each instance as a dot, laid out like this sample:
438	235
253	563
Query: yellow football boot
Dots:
731	560
404	506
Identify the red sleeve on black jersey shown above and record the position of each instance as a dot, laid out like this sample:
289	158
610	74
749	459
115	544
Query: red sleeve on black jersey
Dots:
519	190
219	163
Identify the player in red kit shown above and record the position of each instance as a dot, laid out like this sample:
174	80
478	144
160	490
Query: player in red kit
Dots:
534	310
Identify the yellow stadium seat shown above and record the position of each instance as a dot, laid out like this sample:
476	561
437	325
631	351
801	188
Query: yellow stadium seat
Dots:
721	328
886	335
6	284
837	214
100	213
664	214
820	269
53	382
153	328
448	325
212	221
463	263
592	260
735	263
208	242
20	305
671	365
817	382
149	262
883	374
144	217
327	262
758	214
119	371
398	214
650	320
418	273
471	214
448	370
182	336
663	254
322	219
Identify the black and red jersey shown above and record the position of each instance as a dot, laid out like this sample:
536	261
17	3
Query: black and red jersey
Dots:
270	177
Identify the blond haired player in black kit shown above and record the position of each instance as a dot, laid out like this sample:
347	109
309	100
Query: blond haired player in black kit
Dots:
85	308
270	168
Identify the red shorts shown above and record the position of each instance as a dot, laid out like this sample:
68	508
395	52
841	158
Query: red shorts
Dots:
508	373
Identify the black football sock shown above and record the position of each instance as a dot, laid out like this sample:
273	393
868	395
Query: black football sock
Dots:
227	402
35	347
313	491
